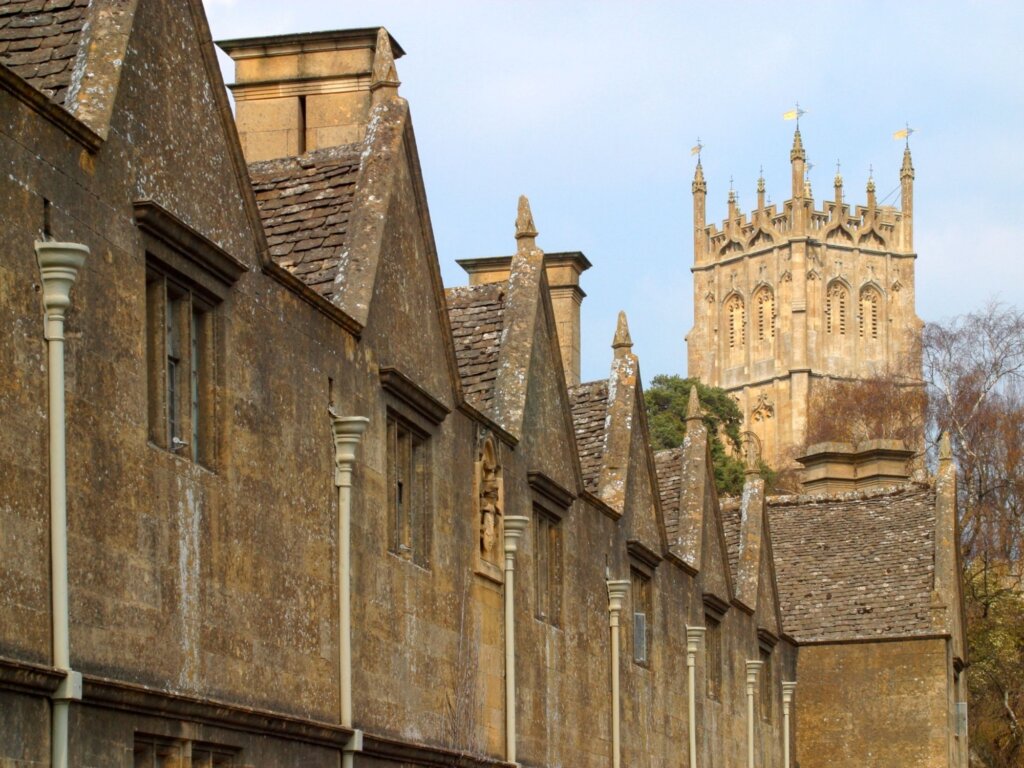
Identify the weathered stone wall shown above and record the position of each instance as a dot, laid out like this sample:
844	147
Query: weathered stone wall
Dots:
873	704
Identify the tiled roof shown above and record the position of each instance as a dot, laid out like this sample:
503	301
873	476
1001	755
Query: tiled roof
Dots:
731	526
39	41
476	313
855	565
589	418
305	203
667	464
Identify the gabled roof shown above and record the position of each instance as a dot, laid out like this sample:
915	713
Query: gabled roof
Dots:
856	565
732	525
39	41
476	314
305	203
667	463
589	418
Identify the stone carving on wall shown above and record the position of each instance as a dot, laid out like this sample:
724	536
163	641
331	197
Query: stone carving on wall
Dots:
489	502
763	409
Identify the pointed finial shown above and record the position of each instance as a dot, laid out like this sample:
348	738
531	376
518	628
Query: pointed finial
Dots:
384	75
699	185
525	228
945	448
760	179
693	410
622	339
797	152
907	171
839	175
871	179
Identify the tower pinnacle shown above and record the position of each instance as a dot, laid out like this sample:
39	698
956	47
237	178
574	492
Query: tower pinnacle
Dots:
622	338
526	230
798	159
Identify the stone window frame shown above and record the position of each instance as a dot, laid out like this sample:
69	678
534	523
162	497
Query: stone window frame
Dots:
766	642
643	563
412	419
551	502
715	657
188	278
151	751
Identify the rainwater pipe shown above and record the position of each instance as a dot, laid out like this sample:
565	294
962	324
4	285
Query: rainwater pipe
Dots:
787	700
617	589
347	432
515	527
694	638
753	667
59	264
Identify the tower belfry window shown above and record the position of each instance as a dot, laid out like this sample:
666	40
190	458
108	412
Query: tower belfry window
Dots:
836	304
765	307
869	301
736	319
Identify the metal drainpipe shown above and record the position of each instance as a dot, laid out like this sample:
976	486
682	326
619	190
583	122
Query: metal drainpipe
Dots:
515	527
787	699
753	667
617	589
348	432
694	638
59	264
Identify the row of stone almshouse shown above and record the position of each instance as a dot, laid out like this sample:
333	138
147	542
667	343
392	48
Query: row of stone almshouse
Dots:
230	328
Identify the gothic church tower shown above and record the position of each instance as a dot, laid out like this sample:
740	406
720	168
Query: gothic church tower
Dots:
784	298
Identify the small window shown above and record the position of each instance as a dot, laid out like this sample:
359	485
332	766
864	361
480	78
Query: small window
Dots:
179	355
713	656
766	684
159	752
548	566
409	491
640	584
836	304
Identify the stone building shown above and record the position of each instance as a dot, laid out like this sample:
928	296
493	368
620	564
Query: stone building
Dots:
787	295
273	496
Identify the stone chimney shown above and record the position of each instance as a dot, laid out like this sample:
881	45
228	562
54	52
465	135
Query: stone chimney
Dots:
563	272
297	93
838	467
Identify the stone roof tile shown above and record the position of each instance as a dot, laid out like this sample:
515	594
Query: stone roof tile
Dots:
39	41
855	565
476	314
305	203
590	420
668	466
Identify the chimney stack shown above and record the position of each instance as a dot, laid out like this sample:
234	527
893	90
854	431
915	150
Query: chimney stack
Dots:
297	93
563	272
839	467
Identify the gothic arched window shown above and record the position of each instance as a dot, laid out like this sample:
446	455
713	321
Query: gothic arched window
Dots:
870	302
764	306
837	302
736	320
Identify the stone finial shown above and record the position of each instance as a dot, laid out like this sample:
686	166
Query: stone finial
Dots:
945	448
907	171
622	339
797	152
699	185
693	409
871	187
837	182
384	75
525	228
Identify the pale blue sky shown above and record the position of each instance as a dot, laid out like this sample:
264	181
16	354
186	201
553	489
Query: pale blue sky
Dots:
590	108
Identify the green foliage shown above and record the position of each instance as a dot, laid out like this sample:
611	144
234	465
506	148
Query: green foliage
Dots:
667	398
995	633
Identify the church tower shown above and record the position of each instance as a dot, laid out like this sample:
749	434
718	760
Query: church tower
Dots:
785	298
